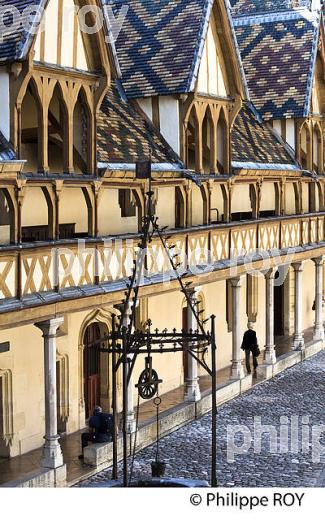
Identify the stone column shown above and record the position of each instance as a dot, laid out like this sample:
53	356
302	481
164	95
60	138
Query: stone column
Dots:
237	369
52	454
192	386
319	322
269	356
298	338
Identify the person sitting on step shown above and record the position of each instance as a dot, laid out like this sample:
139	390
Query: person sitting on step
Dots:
100	429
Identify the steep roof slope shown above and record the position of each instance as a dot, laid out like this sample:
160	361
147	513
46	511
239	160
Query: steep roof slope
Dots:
278	52
254	142
13	43
159	43
125	136
249	7
6	151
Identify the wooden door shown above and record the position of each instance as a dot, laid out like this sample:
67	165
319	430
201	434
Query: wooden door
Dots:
92	368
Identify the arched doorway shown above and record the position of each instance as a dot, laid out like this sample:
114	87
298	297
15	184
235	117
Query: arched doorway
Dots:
92	365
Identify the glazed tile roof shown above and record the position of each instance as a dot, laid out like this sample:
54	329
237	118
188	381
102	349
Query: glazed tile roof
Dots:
278	59
159	44
12	45
16	45
124	136
254	142
6	152
249	7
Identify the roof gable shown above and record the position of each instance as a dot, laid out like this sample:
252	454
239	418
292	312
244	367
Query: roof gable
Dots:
16	46
161	43
278	59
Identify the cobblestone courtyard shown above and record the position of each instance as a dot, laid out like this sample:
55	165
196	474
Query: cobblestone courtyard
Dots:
298	392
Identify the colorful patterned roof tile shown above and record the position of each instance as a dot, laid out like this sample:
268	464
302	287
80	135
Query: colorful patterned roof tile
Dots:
6	151
278	59
250	7
124	136
255	142
12	44
159	44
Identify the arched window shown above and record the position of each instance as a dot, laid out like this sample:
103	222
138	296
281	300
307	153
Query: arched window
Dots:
304	146
193	157
222	143
82	135
208	142
180	217
30	148
57	145
317	149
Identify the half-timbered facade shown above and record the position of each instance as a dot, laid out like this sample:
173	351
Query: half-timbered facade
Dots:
78	110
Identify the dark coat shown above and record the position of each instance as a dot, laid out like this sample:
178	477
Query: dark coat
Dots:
98	423
249	340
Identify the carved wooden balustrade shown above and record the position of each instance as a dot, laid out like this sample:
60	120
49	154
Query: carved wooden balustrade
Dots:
38	268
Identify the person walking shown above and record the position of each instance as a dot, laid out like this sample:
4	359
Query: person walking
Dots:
250	346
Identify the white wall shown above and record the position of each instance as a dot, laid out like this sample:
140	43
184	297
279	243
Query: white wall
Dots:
73	209
4	103
210	78
165	209
277	126
267	197
291	133
169	121
51	26
34	210
197	206
217	203
240	201
110	221
146	106
290	201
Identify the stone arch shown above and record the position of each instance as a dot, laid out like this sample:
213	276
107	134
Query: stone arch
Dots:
103	319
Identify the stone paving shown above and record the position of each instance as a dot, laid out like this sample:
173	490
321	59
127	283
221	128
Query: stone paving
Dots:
296	394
